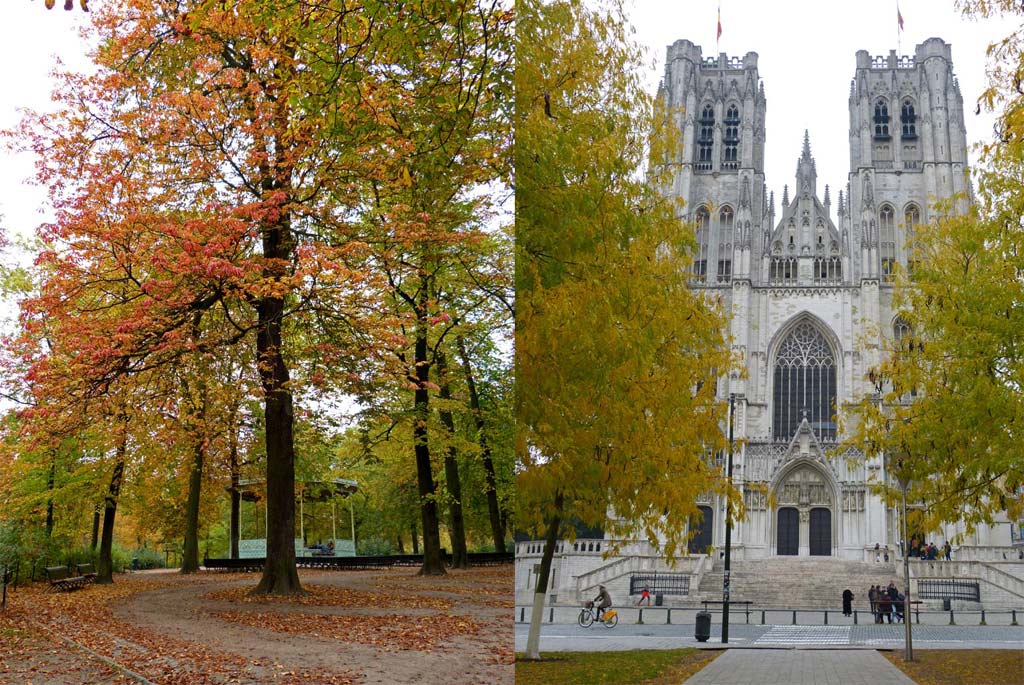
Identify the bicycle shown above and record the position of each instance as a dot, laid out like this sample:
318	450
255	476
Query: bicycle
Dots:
588	615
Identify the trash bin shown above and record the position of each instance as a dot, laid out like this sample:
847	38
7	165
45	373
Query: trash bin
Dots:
135	563
703	629
658	599
946	604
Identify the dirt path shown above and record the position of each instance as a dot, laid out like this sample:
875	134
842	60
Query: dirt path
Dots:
185	611
369	627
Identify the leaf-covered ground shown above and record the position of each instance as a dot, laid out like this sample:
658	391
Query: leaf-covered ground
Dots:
639	667
962	666
352	627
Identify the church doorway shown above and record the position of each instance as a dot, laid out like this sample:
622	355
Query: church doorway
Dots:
788	532
700	542
821	532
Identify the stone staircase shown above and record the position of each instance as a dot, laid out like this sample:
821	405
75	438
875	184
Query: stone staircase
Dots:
797	582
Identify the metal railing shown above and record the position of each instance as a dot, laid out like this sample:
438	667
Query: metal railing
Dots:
660	583
965	590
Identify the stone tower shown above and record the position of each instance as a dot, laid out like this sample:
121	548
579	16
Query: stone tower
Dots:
720	106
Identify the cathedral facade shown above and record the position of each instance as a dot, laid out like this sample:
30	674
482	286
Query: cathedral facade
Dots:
810	288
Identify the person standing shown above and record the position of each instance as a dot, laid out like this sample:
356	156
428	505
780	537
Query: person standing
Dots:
873	600
947	551
847	602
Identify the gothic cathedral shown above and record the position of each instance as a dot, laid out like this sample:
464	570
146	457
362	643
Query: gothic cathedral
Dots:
810	289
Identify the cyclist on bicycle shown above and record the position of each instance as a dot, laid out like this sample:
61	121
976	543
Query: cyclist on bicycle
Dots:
602	601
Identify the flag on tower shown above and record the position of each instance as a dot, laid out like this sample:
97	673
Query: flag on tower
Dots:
719	23
899	18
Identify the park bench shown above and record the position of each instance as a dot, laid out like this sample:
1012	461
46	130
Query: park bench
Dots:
87	572
61	579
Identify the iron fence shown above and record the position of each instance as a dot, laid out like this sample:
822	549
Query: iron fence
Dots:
966	590
660	583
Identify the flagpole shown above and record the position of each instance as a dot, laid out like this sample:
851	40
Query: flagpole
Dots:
718	34
899	29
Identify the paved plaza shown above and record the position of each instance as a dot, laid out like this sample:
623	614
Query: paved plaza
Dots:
625	636
803	667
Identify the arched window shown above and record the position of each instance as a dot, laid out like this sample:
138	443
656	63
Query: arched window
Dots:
805	384
911	218
887	242
881	119
908	119
828	270
701	230
725	235
782	271
731	140
900	329
705	137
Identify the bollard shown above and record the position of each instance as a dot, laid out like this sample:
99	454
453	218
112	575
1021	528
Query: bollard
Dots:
748	614
917	614
854	617
762	616
522	615
668	616
951	621
982	618
794	616
640	618
1013	612
551	618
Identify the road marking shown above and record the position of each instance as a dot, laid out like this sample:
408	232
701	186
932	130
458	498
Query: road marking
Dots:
806	635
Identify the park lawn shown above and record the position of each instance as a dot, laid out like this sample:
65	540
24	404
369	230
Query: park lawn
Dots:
962	666
638	667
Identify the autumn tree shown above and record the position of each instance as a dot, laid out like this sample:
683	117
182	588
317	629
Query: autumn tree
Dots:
219	161
616	358
947	406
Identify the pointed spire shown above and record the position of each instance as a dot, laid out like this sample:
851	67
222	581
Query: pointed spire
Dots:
785	196
827	200
842	205
807	145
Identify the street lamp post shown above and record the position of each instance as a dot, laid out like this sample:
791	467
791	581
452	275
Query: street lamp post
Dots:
728	530
909	652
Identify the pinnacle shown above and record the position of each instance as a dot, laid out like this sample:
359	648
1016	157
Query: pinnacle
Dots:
807	145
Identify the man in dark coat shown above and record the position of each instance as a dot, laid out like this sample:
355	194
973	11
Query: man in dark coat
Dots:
847	602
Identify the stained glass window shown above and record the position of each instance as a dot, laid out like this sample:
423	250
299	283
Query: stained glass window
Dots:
805	383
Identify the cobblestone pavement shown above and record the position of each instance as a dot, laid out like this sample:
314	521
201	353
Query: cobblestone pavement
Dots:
571	638
791	667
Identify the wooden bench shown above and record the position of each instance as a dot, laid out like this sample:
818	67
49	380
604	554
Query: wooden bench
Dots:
87	572
61	579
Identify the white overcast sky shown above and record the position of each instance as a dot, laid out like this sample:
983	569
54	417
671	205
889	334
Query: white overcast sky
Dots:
806	60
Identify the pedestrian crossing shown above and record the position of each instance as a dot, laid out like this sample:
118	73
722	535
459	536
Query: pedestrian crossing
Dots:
805	635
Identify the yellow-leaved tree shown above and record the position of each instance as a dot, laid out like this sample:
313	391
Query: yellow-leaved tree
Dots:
948	404
616	358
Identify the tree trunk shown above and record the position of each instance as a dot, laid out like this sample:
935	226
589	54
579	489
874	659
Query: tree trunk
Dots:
190	550
95	527
49	500
415	538
433	562
533	639
401	545
460	556
493	510
105	568
236	500
279	574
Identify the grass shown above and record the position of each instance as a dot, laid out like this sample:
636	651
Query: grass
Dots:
962	666
639	667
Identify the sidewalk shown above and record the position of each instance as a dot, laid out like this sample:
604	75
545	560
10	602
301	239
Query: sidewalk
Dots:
799	667
572	638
